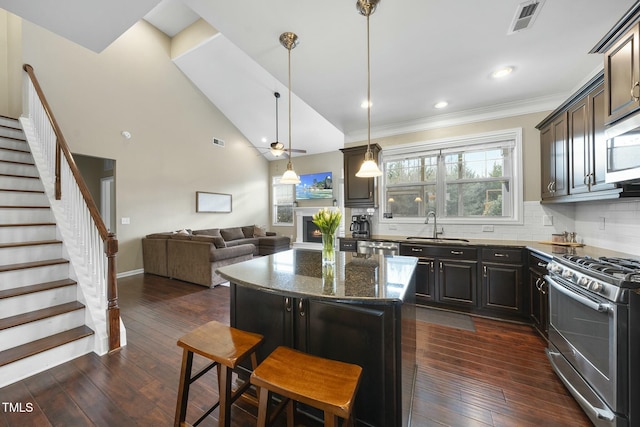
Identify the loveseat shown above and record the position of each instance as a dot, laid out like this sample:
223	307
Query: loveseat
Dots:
194	256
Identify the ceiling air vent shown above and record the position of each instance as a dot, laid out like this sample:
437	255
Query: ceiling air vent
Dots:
525	16
218	142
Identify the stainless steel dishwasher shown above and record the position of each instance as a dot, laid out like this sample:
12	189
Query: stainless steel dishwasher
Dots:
369	247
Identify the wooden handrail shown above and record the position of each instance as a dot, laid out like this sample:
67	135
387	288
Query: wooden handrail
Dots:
110	242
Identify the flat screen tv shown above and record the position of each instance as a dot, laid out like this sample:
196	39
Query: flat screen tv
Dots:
315	186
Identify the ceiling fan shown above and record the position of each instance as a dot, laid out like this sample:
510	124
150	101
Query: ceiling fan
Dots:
278	148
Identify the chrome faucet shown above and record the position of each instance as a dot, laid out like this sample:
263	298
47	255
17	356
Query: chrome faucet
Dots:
435	223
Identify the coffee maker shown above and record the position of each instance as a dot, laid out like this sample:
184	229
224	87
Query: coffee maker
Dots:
360	226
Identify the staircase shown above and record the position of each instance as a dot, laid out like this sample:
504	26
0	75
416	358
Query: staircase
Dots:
42	321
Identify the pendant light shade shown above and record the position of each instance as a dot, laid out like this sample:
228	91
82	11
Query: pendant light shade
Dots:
289	41
369	168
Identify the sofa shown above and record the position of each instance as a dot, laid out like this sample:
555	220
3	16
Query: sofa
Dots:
194	256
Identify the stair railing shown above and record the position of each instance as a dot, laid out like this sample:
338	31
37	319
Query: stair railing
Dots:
92	240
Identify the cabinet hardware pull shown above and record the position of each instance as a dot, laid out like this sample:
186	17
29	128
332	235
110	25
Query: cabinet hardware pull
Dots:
301	308
416	249
484	270
431	267
587	179
542	264
456	253
544	282
499	255
538	285
553	186
549	186
287	304
441	267
633	92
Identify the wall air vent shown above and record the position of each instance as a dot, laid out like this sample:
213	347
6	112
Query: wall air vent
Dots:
218	142
525	16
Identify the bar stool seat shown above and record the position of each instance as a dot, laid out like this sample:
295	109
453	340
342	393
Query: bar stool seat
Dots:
226	347
324	384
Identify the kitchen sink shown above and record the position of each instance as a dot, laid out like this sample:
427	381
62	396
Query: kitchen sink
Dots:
438	239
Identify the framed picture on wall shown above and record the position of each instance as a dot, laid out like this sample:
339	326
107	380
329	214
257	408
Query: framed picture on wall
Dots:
213	202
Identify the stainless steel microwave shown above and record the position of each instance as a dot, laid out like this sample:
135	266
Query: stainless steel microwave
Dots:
623	151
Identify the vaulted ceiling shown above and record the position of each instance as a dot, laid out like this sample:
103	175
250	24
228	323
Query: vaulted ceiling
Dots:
422	52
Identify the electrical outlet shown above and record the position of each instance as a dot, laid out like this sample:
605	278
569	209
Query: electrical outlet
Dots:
601	222
126	220
487	228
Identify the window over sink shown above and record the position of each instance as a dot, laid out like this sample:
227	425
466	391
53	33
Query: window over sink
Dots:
474	178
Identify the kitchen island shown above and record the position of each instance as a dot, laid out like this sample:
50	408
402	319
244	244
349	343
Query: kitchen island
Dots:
360	310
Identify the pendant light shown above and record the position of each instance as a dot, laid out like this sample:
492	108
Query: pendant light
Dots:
289	40
369	168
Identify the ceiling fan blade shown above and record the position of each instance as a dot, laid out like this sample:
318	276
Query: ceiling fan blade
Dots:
297	150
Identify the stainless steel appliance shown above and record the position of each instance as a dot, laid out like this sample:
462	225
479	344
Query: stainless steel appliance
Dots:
594	335
360	226
623	151
370	247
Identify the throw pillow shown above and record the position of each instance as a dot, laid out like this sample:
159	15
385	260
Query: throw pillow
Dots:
208	232
233	233
217	241
183	232
247	230
259	232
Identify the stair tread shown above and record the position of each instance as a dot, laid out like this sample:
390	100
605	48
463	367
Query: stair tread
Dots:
24	290
32	316
44	344
24	207
15	190
28	224
30	243
17	150
11	175
33	264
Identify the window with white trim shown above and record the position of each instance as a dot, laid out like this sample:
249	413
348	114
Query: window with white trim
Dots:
470	179
283	196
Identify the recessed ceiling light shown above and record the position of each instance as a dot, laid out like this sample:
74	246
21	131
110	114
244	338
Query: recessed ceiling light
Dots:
501	72
264	139
441	104
365	104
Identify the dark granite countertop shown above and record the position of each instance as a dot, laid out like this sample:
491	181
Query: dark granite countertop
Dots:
299	272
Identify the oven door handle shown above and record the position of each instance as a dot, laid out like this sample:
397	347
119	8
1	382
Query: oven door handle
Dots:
600	413
593	304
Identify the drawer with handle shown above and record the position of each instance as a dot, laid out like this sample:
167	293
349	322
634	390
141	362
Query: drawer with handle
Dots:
503	255
430	251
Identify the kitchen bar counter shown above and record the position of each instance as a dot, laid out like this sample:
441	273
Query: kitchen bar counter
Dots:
361	311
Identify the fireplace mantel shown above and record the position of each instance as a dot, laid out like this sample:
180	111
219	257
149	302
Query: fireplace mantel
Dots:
309	211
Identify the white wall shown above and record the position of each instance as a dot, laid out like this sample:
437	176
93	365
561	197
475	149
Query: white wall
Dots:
133	85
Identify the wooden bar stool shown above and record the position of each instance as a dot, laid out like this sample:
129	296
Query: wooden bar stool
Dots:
226	347
324	384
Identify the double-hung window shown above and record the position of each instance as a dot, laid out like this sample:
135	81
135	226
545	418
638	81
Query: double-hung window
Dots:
469	179
282	202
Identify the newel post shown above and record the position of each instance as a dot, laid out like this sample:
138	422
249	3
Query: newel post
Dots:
113	310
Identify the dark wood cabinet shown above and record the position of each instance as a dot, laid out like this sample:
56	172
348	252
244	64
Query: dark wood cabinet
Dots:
538	288
358	192
622	76
502	281
587	143
347	244
553	145
445	275
364	334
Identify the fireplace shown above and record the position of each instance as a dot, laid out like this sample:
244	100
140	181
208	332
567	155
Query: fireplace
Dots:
310	232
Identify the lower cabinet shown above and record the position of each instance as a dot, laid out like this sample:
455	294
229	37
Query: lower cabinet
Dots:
502	281
538	290
445	274
363	334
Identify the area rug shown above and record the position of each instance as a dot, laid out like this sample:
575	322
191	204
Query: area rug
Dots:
445	318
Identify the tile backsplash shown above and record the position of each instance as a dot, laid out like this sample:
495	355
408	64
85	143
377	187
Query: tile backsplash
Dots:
613	225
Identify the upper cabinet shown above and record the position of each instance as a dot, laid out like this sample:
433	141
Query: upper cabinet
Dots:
553	143
358	192
622	76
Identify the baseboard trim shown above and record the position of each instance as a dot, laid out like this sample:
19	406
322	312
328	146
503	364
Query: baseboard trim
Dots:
130	273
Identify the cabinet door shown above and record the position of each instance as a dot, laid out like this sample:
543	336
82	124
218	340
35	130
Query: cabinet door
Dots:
360	335
579	167
425	280
358	192
597	140
503	287
539	306
457	282
621	70
267	314
553	146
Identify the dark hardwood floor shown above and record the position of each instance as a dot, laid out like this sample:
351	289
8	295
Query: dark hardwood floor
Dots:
495	376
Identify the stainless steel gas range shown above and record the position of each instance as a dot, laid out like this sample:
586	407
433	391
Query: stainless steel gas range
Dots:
594	335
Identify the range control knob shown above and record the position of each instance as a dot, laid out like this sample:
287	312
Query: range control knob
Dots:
584	281
567	274
595	286
554	268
